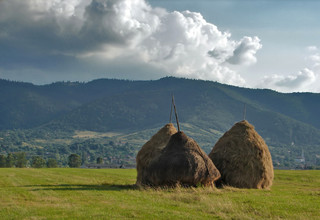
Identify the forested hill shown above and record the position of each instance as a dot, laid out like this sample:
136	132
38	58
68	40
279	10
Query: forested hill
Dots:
124	106
24	105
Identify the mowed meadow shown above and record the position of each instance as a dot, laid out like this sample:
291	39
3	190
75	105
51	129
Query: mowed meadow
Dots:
66	193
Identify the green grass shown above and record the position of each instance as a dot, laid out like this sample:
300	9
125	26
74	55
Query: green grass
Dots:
110	194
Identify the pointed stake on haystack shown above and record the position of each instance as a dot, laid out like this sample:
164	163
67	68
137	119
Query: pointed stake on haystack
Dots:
244	111
175	112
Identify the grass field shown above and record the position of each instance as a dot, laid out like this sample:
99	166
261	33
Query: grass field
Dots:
65	193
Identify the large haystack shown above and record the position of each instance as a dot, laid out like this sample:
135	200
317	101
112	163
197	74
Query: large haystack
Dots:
183	162
151	150
243	158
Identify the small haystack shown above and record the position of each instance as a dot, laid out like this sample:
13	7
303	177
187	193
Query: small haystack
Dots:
183	162
151	150
243	158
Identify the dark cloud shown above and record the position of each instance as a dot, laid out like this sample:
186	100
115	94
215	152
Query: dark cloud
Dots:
89	36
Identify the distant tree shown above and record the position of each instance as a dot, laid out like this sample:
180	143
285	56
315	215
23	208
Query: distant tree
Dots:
3	161
38	162
52	163
99	160
74	160
20	159
10	160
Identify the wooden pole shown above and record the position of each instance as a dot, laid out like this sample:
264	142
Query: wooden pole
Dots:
244	111
175	112
171	111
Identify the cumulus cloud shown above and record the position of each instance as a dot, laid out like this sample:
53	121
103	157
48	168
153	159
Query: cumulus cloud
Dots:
315	60
245	51
312	48
304	80
39	34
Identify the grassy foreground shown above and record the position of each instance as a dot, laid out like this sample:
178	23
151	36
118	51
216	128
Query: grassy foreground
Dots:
110	194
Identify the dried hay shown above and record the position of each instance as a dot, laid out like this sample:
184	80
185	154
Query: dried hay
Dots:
151	149
243	158
182	162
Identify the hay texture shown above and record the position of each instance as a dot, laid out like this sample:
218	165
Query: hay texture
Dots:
182	162
151	150
243	158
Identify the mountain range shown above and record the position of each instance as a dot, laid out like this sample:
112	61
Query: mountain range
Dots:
123	106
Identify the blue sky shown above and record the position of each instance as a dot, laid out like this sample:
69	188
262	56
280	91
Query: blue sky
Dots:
250	43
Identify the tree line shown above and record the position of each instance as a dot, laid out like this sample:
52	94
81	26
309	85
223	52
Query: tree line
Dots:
19	160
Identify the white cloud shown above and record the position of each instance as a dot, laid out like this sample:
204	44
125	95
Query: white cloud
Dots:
245	51
289	83
304	80
312	48
178	43
304	77
314	57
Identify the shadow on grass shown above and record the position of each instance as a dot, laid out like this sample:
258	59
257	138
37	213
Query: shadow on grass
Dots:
81	187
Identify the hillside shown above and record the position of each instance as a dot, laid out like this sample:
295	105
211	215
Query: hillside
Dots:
207	105
24	105
288	122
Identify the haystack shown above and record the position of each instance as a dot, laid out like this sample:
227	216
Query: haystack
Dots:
243	158
182	162
151	150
